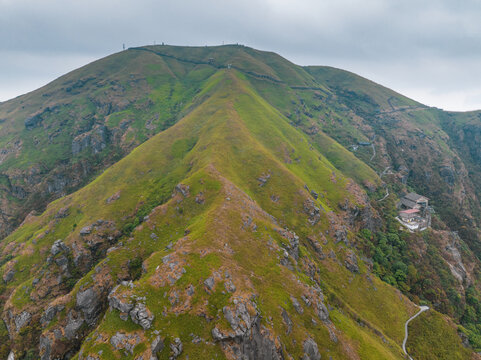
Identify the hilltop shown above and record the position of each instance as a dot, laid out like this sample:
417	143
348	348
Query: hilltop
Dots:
222	202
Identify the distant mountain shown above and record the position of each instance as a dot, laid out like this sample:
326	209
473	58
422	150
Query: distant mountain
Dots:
221	202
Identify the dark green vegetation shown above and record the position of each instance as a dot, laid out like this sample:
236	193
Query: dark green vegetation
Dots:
241	213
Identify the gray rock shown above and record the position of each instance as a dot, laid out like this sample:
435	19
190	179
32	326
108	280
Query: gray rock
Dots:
190	290
287	321
229	286
22	320
58	246
11	356
218	335
322	311
351	262
176	348
296	305
140	315
88	302
73	326
9	276
183	189
45	346
341	235
86	230
33	121
115	302
263	179
311	351
209	283
157	346
50	313
125	341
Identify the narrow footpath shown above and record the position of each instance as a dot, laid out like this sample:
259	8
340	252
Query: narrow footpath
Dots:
421	310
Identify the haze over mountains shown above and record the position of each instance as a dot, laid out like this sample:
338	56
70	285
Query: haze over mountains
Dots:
223	202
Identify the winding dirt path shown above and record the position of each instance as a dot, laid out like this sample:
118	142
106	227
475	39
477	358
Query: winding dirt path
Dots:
421	310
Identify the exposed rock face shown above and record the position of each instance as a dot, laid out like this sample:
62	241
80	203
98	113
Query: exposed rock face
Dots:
73	326
311	351
156	346
58	246
96	139
351	262
33	121
248	340
22	320
89	304
50	313
45	347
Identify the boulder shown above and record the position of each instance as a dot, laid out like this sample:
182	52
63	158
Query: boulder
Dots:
142	316
209	283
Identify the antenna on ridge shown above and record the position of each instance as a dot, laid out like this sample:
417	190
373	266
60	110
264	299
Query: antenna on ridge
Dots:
123	45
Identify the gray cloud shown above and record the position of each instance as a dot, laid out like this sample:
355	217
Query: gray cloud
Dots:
428	50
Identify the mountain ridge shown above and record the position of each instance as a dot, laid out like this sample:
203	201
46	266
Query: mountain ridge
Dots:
243	228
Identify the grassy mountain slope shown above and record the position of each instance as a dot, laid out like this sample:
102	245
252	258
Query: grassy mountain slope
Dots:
217	152
245	225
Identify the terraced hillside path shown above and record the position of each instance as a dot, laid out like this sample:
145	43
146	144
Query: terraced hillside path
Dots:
421	310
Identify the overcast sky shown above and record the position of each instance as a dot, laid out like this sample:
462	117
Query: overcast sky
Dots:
427	50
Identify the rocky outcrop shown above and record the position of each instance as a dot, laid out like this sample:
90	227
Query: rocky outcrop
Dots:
311	351
176	348
293	247
142	316
50	313
351	262
248	340
88	302
22	319
33	121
